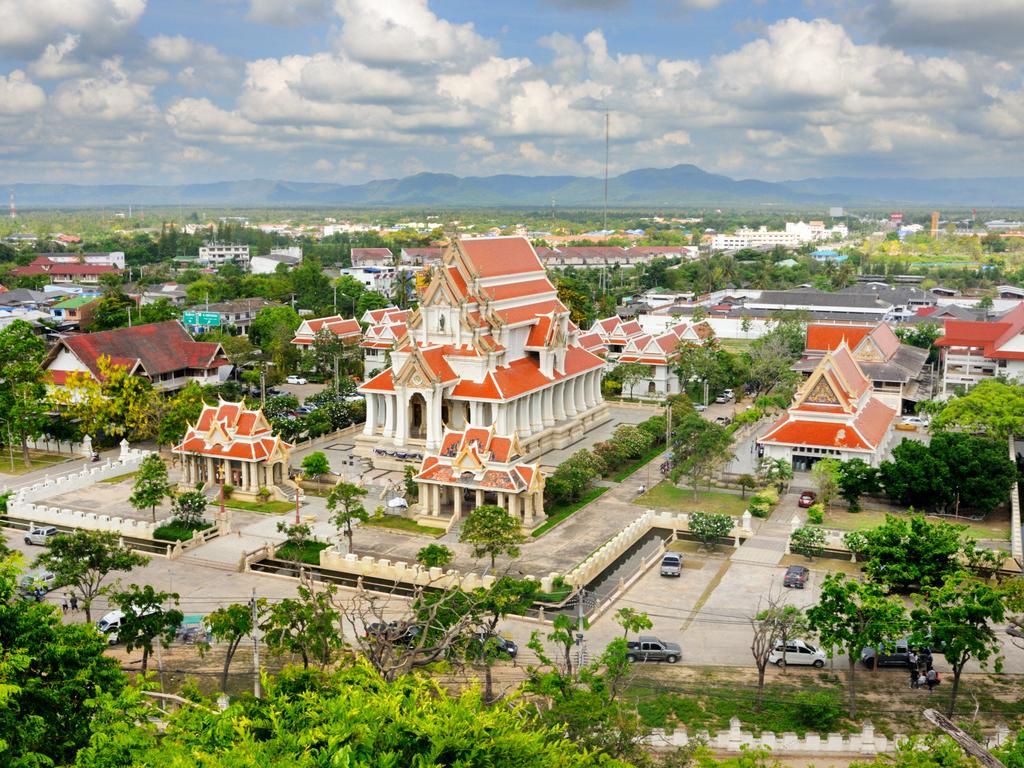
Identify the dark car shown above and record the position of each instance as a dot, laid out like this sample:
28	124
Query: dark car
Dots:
501	644
394	632
796	577
896	654
807	499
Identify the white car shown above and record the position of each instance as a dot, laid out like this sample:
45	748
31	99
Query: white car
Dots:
915	421
296	380
40	535
797	653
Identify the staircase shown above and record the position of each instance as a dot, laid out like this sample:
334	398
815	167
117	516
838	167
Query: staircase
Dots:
452	536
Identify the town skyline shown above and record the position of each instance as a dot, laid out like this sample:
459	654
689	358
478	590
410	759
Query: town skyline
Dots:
129	91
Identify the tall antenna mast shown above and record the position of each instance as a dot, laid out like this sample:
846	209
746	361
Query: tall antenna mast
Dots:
606	118
14	212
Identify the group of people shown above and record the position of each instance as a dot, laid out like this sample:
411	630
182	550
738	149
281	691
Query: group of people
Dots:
921	670
71	599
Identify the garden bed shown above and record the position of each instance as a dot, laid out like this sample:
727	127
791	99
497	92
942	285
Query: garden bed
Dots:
176	531
406	525
667	496
264	507
308	552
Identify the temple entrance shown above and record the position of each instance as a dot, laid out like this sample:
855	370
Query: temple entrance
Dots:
652	389
277	473
236	476
417	417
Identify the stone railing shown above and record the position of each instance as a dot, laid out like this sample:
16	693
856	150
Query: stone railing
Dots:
22	503
867	742
402	572
613	549
1016	547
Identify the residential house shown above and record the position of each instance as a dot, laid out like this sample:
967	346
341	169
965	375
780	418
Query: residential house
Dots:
111	258
372	257
163	352
345	330
66	271
268	264
234	316
74	312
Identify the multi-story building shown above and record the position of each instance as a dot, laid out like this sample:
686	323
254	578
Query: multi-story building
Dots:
972	350
290	257
74	312
795	234
217	254
111	258
383	328
235	316
659	355
346	330
490	344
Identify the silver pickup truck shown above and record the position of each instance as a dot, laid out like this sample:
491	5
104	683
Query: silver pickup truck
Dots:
650	648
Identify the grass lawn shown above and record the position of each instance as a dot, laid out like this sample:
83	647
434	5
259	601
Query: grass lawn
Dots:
995	526
175	531
633	466
38	459
667	496
119	478
558	514
267	508
309	552
405	524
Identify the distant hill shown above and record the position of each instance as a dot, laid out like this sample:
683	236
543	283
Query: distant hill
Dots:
680	185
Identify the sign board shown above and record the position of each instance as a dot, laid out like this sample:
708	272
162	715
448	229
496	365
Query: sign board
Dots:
201	318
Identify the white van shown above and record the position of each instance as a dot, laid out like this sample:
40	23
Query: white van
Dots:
110	624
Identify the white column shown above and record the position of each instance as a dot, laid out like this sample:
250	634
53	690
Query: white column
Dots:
597	387
569	391
211	476
435	508
474	413
502	418
536	419
581	406
513	505
588	389
558	401
479	497
371	414
401	420
245	475
523	416
390	401
547	408
457	501
433	417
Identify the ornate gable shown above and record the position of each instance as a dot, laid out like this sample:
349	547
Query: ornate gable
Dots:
416	372
868	351
822	393
468	460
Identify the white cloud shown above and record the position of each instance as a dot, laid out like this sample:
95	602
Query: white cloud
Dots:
19	95
406	32
107	98
483	85
200	65
57	62
288	13
31	24
201	118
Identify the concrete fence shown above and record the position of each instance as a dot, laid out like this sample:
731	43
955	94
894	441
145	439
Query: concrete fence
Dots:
22	503
382	568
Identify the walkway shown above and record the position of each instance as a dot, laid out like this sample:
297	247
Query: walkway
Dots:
768	544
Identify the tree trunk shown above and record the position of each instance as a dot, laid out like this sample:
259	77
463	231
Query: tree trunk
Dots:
760	684
957	670
24	450
227	664
145	660
87	607
853	688
488	684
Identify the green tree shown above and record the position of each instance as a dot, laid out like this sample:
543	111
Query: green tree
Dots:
631	374
851	616
632	620
910	551
746	483
506	597
151	484
182	409
327	349
146	619
700	448
272	330
22	392
111	311
158	311
345	504
857	478
115	405
915	477
825	475
81	560
572	478
958	617
492	531
312	287
992	406
307	625
189	508
230	625
315	465
434	556
778	472
807	541
709	528
979	470
51	673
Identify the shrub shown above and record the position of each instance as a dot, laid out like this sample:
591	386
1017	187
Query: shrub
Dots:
263	494
655	428
816	514
759	505
820	710
709	528
809	542
228	490
571	479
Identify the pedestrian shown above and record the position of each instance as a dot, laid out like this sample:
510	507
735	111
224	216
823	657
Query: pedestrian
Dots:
915	677
64	604
74	603
931	678
643	489
911	659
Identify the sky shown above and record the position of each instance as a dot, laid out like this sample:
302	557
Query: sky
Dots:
184	91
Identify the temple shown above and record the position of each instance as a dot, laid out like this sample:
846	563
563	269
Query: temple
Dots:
490	345
478	467
233	444
835	414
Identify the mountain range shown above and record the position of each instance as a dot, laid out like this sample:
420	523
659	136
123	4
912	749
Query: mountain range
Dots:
675	187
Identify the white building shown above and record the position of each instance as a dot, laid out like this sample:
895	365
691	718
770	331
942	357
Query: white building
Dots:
111	259
216	254
795	234
267	265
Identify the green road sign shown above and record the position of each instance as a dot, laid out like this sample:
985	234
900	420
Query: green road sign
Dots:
200	318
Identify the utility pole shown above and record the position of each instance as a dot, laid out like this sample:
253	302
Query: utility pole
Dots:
579	629
606	135
257	692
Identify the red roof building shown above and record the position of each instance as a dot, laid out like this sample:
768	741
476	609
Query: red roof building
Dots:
476	466
66	272
372	257
973	350
346	330
489	345
163	352
383	328
235	445
659	354
834	415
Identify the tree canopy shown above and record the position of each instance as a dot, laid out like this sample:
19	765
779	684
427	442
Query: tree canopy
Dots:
992	406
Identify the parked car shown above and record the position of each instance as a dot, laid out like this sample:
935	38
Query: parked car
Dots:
672	564
296	380
700	407
725	421
893	655
729	394
915	421
797	653
807	499
722	399
36	583
110	624
304	410
394	632
502	644
41	535
650	648
796	577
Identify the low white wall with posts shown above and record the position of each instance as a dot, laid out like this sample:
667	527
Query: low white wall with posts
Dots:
380	568
867	742
22	503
